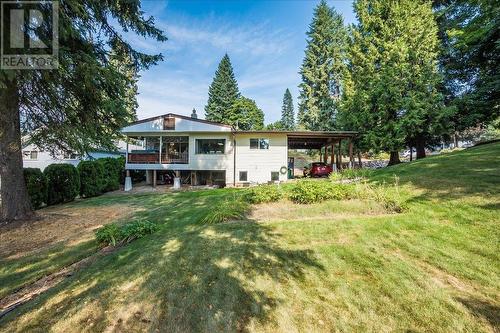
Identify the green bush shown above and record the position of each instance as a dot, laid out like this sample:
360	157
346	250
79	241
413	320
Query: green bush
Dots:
91	178
311	191
388	196
264	193
350	174
111	234
228	210
36	183
112	168
63	183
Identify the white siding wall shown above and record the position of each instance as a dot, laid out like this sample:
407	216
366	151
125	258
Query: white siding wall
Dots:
181	125
259	163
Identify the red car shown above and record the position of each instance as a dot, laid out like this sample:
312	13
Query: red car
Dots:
317	169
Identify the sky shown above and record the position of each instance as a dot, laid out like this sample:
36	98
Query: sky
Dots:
265	41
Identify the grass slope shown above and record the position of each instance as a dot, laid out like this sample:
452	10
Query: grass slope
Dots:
332	267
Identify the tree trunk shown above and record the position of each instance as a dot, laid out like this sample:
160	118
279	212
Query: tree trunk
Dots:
455	139
359	160
394	159
411	153
420	147
14	200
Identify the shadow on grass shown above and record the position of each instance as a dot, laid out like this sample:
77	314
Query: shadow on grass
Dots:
187	277
480	308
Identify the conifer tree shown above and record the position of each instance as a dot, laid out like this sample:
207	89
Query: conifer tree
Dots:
391	94
78	106
287	114
322	69
245	115
222	93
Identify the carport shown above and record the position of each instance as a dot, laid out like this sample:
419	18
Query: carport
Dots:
327	142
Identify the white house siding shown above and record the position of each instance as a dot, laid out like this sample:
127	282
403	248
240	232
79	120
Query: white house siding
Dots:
259	163
181	125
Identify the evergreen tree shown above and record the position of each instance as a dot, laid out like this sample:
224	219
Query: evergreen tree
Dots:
78	106
222	93
322	69
245	115
470	58
287	114
391	94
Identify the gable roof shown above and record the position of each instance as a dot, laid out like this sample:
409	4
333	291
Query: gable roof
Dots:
178	116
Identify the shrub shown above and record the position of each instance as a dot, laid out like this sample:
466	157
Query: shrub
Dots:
264	193
227	210
111	234
112	168
350	174
91	178
310	191
36	183
63	183
388	197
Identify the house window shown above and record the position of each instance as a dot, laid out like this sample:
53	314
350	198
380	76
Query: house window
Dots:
243	176
259	143
210	146
30	154
69	156
275	176
169	123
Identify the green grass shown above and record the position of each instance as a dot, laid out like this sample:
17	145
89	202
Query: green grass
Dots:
331	267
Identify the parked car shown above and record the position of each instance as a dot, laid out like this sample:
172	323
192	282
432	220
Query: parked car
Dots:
317	169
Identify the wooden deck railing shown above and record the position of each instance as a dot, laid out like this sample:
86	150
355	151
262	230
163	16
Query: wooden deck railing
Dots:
154	158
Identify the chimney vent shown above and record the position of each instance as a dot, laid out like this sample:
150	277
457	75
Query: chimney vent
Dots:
194	115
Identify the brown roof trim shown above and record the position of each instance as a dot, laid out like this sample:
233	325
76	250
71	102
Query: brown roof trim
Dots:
299	134
178	116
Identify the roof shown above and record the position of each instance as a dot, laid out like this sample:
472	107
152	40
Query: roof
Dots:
178	116
323	134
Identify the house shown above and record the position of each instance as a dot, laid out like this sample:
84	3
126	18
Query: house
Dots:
35	157
181	149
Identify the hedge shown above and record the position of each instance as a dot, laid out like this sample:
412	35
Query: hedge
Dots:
92	179
36	184
112	172
63	183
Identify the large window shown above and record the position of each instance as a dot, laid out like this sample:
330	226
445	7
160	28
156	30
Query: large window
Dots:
260	143
175	150
210	146
32	155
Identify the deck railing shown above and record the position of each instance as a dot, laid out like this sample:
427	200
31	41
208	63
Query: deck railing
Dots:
154	158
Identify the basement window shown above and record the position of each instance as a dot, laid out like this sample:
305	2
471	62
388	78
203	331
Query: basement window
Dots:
243	176
275	176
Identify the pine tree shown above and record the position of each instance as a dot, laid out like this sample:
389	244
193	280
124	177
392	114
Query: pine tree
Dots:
322	69
245	115
391	94
78	106
222	93
287	114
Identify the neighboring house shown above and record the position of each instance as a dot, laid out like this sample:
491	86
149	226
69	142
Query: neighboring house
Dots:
34	157
201	152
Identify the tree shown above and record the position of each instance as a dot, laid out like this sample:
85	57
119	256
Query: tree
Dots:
322	69
470	58
391	94
287	114
222	93
245	115
276	126
78	106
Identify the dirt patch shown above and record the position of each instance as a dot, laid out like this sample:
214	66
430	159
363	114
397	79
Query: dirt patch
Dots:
71	225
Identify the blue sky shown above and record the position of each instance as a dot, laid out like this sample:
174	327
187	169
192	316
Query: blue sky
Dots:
264	39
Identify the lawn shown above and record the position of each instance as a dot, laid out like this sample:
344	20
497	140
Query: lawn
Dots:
337	266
